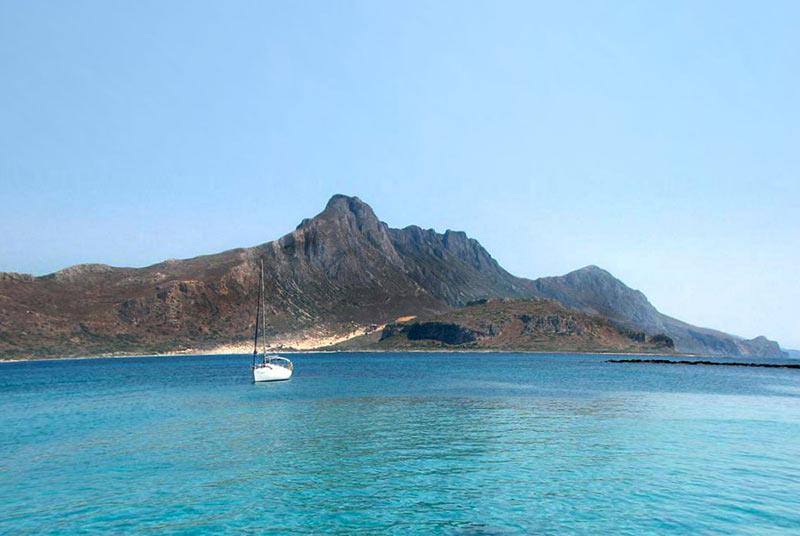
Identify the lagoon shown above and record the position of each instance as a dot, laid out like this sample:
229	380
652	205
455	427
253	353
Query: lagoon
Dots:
405	443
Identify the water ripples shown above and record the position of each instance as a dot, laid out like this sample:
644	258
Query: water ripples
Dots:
397	445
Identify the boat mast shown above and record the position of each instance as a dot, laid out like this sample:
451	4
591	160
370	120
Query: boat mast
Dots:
263	313
258	313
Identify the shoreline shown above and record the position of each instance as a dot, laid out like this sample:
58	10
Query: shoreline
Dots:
195	353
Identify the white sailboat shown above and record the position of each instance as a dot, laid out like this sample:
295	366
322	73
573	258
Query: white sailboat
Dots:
271	367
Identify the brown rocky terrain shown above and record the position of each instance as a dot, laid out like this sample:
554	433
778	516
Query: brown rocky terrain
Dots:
511	325
343	271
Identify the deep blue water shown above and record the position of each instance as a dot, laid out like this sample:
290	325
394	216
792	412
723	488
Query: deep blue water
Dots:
399	444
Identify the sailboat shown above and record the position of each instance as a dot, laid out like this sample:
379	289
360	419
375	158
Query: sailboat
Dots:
271	367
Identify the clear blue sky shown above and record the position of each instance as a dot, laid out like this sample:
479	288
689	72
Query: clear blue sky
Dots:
660	141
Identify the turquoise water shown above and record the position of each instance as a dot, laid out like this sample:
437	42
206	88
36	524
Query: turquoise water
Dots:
398	444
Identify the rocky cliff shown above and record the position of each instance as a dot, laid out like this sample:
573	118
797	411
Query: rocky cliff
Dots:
512	325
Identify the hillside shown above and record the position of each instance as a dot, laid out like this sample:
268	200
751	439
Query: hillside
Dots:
340	271
511	325
594	290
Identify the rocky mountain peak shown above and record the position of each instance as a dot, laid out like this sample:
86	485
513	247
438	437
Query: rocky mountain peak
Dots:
349	214
344	206
468	249
346	202
346	232
595	290
593	270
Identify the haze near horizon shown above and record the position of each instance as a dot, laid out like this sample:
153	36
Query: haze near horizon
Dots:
658	142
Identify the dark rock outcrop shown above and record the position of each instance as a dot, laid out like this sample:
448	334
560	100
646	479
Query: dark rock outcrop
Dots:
705	363
662	341
442	332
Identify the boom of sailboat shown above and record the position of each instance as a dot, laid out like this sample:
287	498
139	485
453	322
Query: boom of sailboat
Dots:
271	367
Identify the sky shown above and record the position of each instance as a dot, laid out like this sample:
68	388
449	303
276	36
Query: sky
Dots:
658	140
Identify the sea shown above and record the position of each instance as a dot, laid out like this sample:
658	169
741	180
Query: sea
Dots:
398	443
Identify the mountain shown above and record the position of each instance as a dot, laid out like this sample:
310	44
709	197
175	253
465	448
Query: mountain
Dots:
338	273
342	269
511	325
594	290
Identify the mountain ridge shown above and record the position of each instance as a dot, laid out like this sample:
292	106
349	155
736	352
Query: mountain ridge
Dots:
340	270
594	290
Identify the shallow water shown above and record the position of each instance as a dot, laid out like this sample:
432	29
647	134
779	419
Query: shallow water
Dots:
399	444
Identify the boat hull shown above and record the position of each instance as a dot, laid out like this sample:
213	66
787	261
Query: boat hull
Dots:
271	373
